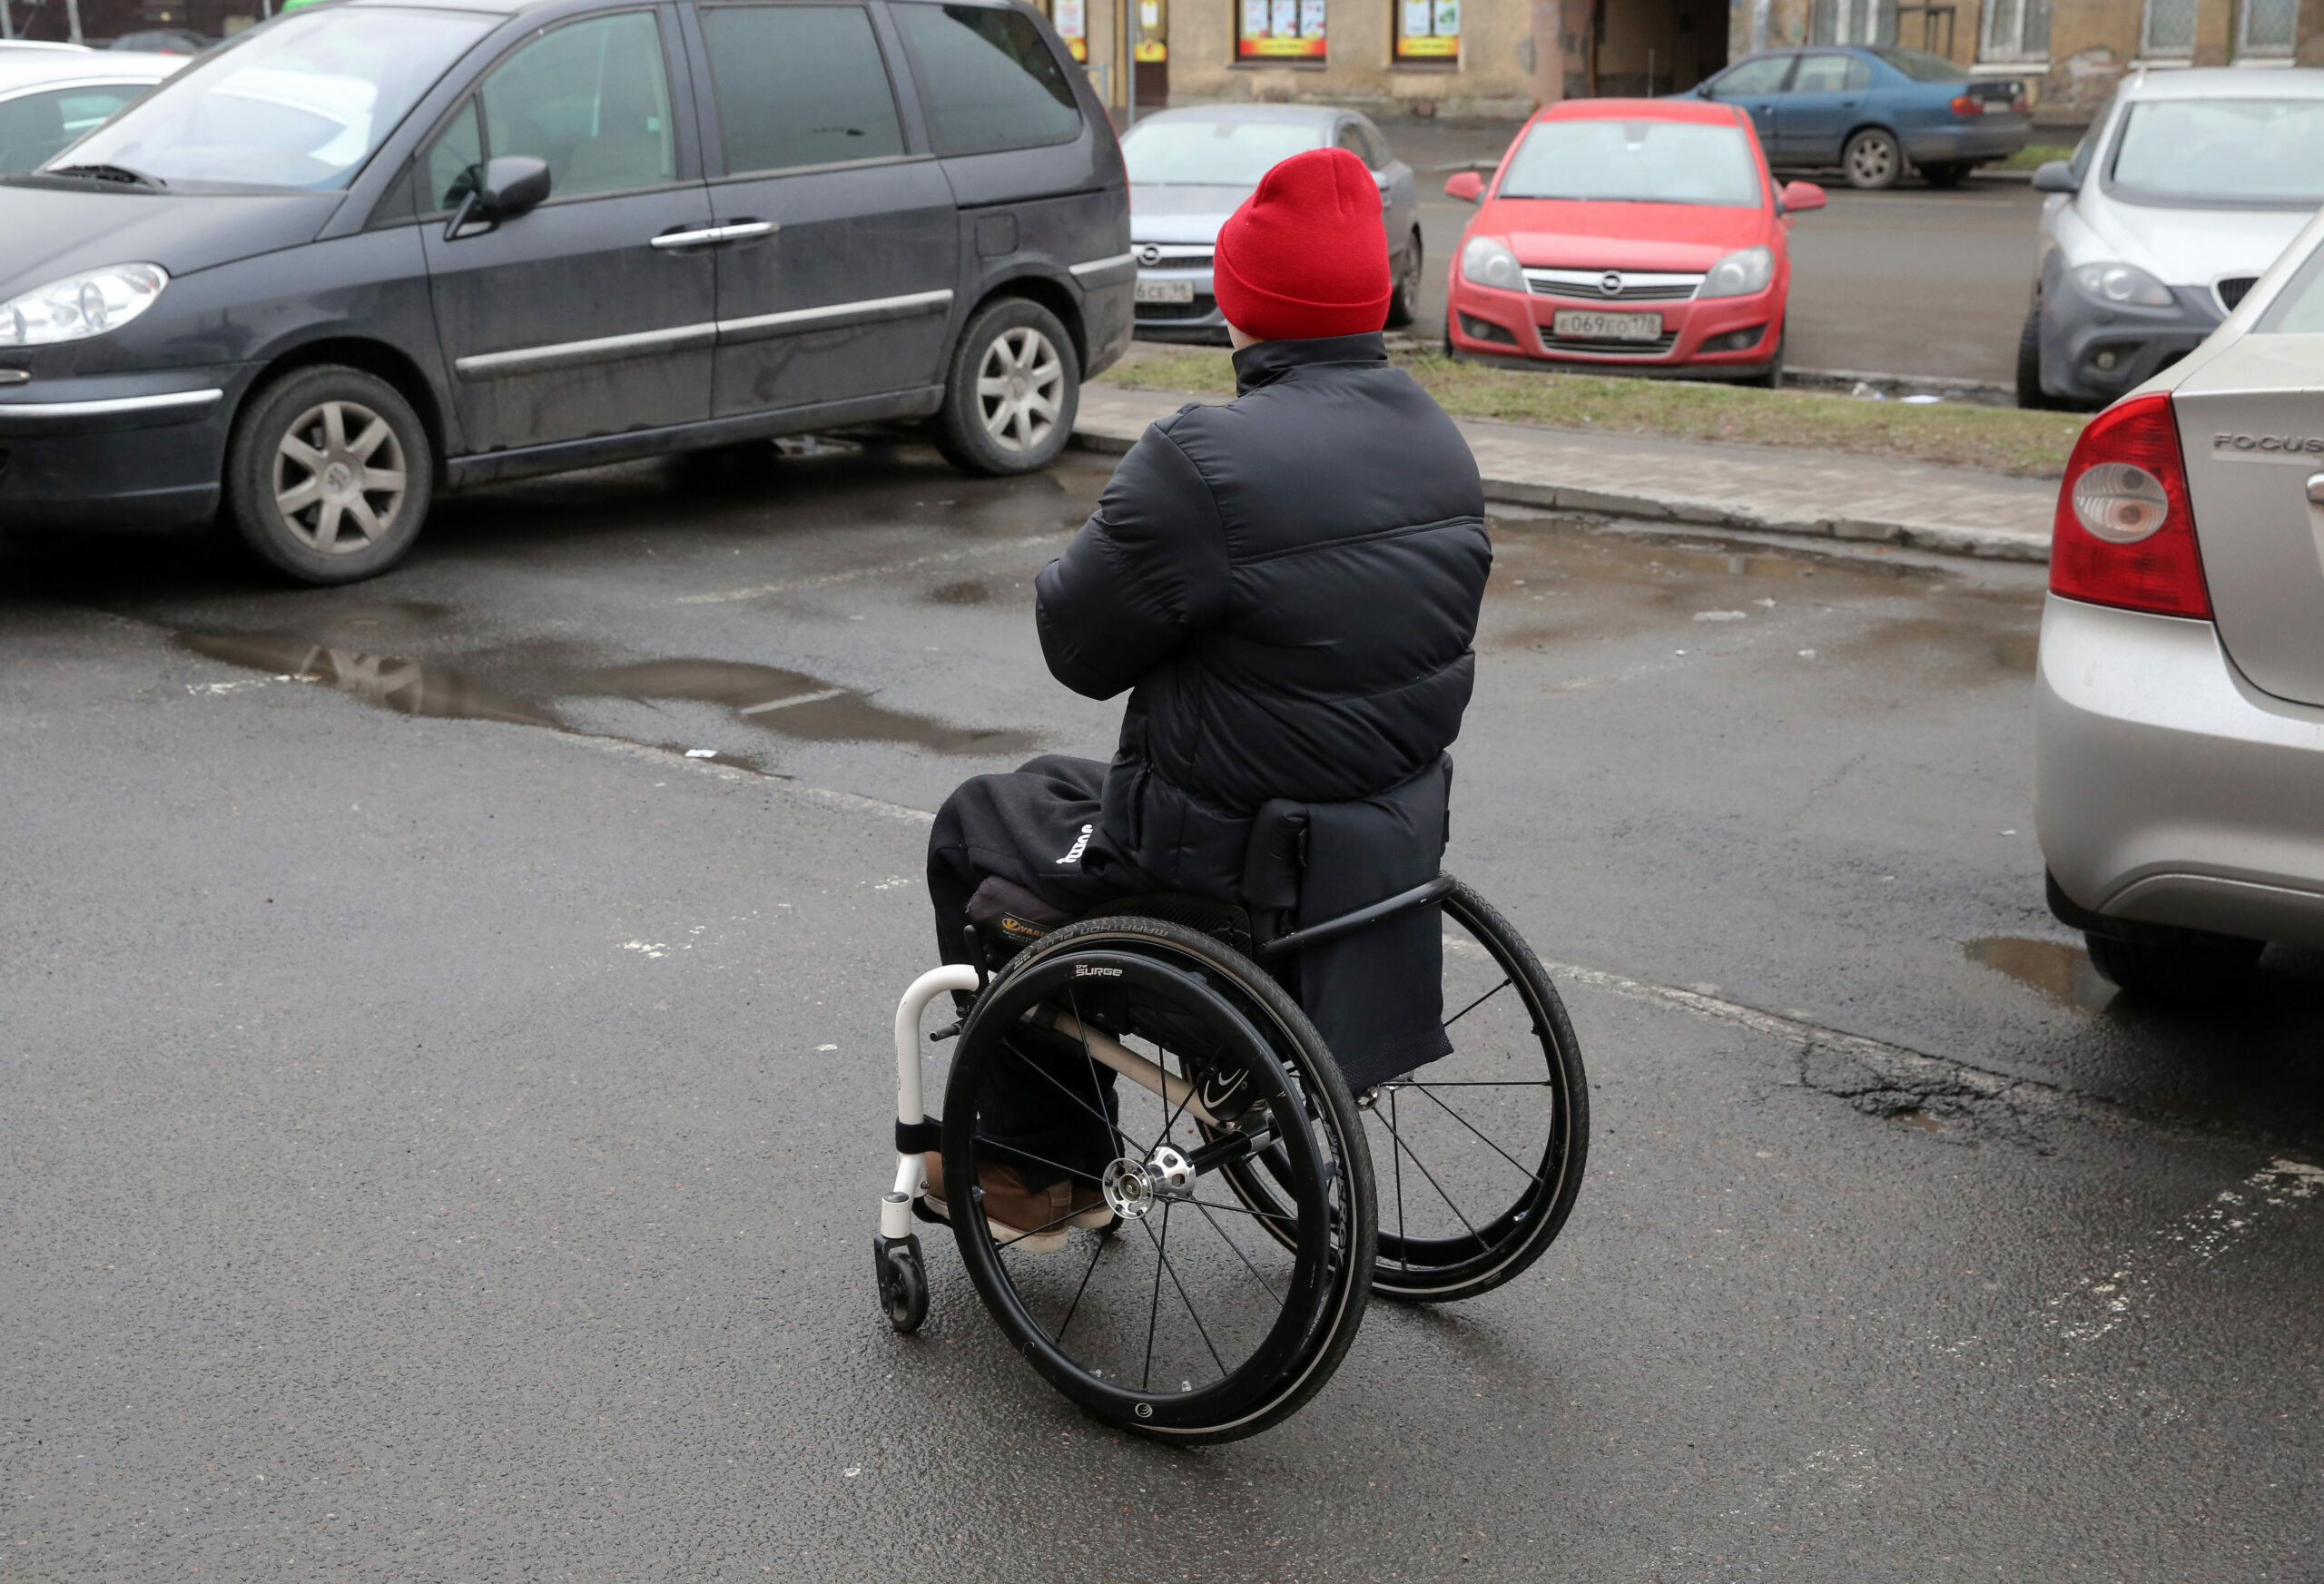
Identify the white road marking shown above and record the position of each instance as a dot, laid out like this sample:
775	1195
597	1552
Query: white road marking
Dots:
761	591
794	699
2097	1304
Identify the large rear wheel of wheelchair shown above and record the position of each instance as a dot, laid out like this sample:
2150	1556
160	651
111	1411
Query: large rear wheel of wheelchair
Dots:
1193	1316
1478	1155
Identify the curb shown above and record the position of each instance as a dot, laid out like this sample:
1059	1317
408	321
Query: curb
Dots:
1943	539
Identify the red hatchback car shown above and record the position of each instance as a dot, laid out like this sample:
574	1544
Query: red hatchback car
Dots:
1630	233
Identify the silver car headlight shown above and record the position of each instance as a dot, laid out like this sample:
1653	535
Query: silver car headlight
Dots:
1487	262
81	305
1740	273
2124	283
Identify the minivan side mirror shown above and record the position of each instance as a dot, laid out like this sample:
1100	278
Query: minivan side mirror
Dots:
2054	176
508	186
1465	185
1799	195
512	184
1705	91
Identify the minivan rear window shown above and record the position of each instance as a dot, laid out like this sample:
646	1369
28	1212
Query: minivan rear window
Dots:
799	85
987	80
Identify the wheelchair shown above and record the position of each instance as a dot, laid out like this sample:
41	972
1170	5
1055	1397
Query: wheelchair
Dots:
1205	1280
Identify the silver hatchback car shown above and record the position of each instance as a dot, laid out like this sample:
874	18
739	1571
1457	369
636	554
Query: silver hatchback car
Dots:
2179	717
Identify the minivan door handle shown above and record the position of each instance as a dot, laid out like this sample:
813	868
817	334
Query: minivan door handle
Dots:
706	236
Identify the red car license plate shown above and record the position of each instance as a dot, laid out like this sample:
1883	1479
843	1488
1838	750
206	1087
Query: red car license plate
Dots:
1581	326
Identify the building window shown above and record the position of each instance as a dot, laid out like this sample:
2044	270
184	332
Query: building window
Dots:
1864	22
2016	30
1291	30
2266	30
1071	20
2169	31
1428	32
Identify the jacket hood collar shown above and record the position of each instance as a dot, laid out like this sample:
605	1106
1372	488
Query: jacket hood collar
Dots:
1269	362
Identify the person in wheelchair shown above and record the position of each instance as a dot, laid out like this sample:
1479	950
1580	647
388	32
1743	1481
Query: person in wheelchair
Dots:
1288	585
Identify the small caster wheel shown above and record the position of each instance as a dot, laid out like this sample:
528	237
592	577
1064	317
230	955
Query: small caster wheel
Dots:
903	1281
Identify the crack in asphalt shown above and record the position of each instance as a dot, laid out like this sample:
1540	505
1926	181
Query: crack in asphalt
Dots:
1947	1096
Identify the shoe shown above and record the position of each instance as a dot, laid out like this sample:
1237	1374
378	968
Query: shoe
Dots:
1032	1219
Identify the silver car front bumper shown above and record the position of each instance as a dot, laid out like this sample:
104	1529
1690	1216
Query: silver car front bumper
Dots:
2167	789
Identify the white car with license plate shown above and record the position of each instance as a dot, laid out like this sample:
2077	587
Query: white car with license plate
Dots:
2179	719
1189	169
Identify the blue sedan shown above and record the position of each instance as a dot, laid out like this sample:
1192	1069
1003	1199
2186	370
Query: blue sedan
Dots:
1875	113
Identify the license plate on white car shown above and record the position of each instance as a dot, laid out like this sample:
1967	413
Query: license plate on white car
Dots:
1608	327
1166	292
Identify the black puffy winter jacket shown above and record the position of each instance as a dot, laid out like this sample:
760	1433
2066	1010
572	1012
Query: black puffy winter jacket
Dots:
1290	581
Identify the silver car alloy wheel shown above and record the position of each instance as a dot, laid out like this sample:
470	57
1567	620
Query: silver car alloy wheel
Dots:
1019	386
328	482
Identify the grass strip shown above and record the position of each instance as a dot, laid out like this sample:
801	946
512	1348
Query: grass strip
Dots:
1997	439
2033	154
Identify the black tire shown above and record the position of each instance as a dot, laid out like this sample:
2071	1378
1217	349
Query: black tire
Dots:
1945	176
2180	967
902	1276
1012	391
1433	1138
1404	305
1873	159
2030	394
1283	1310
328	475
1772	379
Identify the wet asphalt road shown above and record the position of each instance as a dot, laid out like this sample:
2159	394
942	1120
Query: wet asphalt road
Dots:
443	1124
1912	280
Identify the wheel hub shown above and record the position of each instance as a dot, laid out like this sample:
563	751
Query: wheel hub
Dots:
1133	1188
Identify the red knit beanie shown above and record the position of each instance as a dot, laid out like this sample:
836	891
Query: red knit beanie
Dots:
1307	254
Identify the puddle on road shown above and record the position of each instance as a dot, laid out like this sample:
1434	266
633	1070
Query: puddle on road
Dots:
409	688
789	703
2060	971
970	592
1561	583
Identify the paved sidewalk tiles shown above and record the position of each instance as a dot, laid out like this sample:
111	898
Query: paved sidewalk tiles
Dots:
1923	504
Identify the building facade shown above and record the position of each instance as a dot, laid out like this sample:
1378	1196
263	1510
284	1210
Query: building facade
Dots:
1502	57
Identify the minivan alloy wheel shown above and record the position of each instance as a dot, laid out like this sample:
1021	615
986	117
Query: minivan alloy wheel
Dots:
1019	386
339	477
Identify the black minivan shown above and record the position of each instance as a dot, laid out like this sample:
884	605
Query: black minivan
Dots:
374	250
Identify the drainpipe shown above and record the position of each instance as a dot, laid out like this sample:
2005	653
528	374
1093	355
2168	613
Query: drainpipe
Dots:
1549	50
7	26
73	19
1129	62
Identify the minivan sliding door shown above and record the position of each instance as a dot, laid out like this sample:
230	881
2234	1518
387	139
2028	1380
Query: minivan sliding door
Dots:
841	257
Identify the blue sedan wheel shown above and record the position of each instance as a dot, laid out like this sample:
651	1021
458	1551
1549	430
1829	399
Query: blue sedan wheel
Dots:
1872	160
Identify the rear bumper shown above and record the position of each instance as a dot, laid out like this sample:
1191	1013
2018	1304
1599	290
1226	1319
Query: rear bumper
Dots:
2167	789
1491	323
1990	137
119	451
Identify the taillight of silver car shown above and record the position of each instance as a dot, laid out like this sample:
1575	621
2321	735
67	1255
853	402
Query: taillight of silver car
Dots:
2125	529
